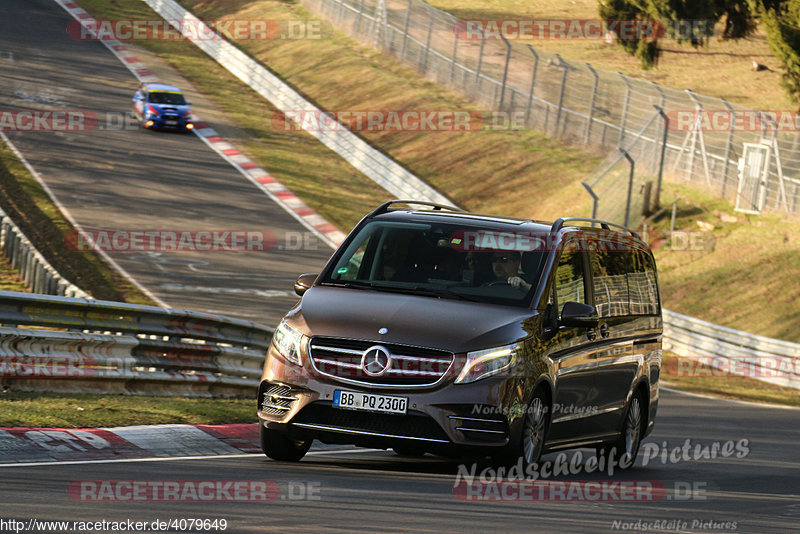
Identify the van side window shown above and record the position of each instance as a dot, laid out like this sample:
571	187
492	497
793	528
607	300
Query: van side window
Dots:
642	285
569	277
610	281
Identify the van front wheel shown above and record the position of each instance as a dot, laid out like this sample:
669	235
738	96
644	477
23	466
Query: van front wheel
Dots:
280	447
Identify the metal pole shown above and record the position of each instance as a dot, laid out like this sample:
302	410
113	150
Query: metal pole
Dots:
728	148
480	62
360	16
505	72
455	54
405	31
624	117
533	83
657	201
630	186
428	42
561	93
594	199
588	132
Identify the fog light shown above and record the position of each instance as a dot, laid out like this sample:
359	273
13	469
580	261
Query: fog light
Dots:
189	125
148	124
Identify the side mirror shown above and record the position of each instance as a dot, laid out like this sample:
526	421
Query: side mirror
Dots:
577	314
304	283
188	102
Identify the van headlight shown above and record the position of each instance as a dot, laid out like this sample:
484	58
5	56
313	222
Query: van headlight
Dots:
487	362
287	342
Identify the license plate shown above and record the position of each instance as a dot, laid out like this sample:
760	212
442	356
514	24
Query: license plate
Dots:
352	400
170	123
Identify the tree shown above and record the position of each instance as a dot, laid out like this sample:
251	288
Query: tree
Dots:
782	23
683	20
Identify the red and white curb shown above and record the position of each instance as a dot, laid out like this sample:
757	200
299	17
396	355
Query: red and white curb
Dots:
279	193
35	445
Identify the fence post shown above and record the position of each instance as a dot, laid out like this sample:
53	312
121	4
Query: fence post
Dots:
594	199
657	201
625	104
455	54
360	16
588	132
699	133
533	83
405	31
480	63
505	72
728	147
428	42
561	92
630	185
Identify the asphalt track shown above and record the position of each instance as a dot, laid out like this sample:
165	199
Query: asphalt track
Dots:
125	178
377	491
133	179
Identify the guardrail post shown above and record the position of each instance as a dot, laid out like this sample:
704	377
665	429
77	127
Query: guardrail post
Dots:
588	132
625	105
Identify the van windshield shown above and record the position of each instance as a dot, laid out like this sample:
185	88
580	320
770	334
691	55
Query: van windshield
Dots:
441	260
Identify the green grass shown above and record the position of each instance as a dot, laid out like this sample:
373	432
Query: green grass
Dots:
30	207
9	277
91	411
727	387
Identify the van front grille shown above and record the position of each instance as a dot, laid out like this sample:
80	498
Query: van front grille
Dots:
396	365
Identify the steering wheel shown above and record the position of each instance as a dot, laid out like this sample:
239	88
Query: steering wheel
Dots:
498	283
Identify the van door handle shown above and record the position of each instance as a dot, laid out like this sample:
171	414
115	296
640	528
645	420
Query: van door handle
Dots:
604	331
591	334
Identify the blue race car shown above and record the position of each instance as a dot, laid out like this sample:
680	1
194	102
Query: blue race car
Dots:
160	106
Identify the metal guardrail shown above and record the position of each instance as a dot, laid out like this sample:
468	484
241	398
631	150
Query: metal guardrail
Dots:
357	152
36	272
729	351
77	345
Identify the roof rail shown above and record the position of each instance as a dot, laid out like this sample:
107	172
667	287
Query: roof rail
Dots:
383	208
605	225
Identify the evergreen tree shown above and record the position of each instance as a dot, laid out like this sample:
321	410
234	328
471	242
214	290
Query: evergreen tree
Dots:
782	24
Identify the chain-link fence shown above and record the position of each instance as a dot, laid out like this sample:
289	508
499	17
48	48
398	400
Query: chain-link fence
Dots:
583	105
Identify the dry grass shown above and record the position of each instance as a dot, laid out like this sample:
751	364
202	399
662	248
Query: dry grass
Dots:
721	69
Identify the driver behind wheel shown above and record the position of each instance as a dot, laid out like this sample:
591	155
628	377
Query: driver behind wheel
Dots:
506	268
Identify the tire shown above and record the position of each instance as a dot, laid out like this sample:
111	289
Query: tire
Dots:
627	445
534	431
280	447
413	451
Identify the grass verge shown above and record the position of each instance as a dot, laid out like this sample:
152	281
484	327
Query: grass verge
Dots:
90	411
30	207
726	387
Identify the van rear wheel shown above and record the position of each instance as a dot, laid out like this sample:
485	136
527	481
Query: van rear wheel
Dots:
280	447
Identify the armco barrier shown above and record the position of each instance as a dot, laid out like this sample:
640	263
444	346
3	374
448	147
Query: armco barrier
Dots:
35	271
78	345
358	153
766	359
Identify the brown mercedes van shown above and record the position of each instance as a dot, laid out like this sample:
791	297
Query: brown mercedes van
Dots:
437	330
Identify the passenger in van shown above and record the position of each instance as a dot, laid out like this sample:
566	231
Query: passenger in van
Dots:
506	268
479	268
